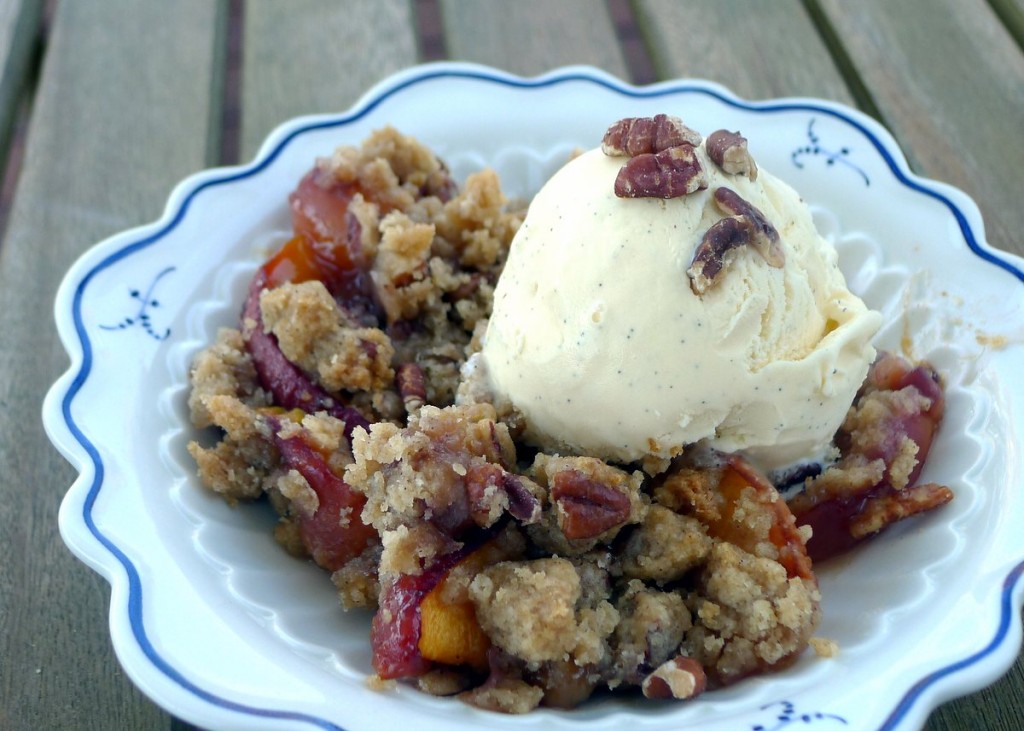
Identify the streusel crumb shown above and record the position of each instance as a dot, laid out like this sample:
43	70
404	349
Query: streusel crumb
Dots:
748	614
528	608
824	647
314	333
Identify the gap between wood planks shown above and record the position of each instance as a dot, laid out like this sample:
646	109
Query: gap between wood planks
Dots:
638	58
862	96
13	152
228	144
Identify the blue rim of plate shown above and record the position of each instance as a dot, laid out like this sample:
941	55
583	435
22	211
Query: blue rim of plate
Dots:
384	91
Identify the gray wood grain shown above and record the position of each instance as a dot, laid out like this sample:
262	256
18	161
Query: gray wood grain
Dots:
304	56
114	127
759	50
532	36
999	706
948	80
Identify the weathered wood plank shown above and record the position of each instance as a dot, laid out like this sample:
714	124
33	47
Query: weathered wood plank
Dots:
19	29
532	36
303	57
114	126
1000	706
758	50
948	80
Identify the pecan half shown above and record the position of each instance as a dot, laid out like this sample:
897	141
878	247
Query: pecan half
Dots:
709	259
670	173
729	151
411	386
763	235
634	136
587	508
745	225
492	491
523	504
679	679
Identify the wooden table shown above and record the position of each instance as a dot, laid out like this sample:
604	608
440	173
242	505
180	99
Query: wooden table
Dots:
106	104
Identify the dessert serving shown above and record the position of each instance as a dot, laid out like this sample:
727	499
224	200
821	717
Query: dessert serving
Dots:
545	445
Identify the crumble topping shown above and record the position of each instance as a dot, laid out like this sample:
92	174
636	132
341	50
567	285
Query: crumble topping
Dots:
529	608
314	333
507	577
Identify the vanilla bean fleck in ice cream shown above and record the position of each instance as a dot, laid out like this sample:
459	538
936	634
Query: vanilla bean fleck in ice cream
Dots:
663	291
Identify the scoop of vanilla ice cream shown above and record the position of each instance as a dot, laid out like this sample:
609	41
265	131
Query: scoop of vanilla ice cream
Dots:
599	340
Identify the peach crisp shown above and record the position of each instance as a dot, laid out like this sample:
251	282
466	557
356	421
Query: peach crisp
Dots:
353	397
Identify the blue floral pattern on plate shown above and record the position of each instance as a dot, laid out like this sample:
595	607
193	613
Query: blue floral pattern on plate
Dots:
787	715
141	317
814	148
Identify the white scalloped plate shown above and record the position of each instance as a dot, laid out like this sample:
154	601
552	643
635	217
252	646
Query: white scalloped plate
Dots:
215	623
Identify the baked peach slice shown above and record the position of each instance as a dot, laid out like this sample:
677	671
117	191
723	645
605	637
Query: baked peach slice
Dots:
450	633
752	513
884	444
739	505
429	618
